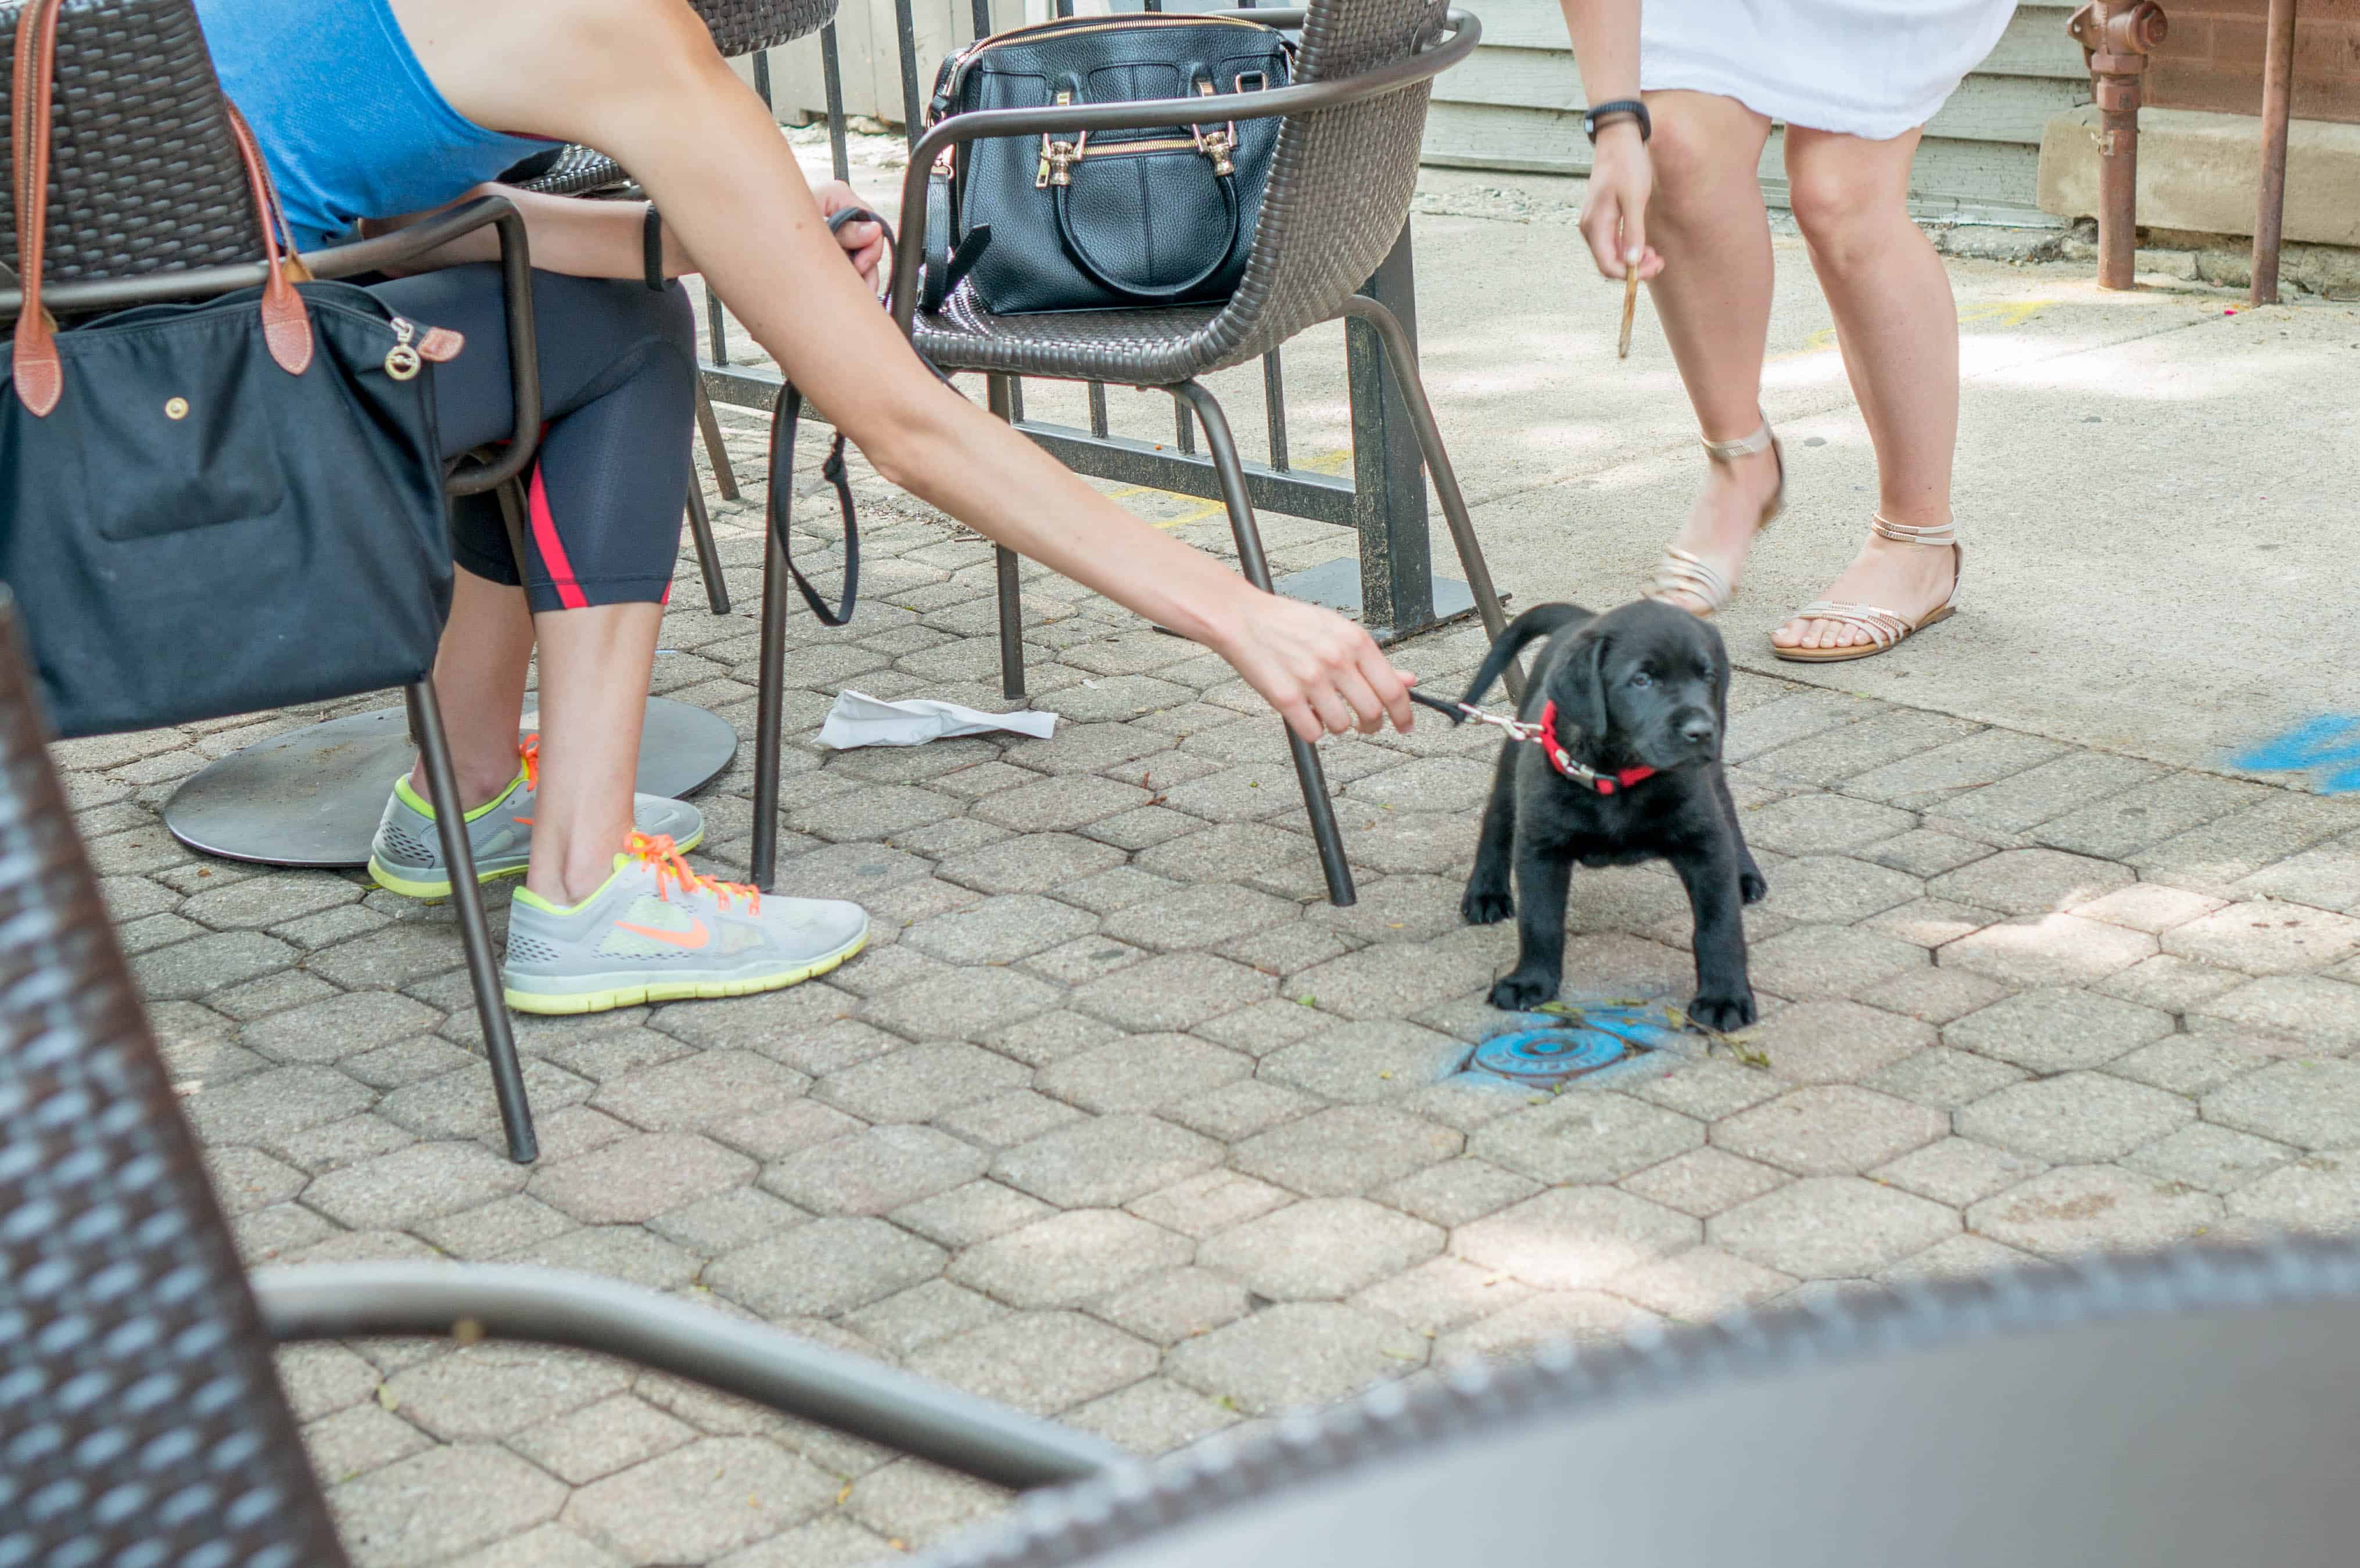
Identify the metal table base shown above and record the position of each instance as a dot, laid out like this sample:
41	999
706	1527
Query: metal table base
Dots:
313	797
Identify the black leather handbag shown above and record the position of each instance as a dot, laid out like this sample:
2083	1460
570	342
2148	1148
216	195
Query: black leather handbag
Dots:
1110	220
221	508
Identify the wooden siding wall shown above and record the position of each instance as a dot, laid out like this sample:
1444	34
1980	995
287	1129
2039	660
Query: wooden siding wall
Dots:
1517	106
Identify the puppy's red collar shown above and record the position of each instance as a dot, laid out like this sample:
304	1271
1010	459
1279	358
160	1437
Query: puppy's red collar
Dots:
1542	734
1588	777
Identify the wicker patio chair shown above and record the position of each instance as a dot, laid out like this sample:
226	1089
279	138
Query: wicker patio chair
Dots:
150	203
141	1419
1338	196
2188	1409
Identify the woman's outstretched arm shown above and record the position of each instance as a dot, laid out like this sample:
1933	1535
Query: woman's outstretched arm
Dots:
639	79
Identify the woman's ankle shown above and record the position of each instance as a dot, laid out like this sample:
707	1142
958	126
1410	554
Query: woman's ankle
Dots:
479	788
567	871
1729	510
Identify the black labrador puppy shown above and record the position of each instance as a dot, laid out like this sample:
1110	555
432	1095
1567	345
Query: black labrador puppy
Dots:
1631	705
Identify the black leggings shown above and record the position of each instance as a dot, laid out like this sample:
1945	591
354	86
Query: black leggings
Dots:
617	396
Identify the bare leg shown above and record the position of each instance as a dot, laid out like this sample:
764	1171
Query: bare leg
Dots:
1899	329
479	676
1713	297
595	668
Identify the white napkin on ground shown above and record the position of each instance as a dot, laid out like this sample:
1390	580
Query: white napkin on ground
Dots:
859	720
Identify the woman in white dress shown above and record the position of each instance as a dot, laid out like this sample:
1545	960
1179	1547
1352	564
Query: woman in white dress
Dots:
1673	190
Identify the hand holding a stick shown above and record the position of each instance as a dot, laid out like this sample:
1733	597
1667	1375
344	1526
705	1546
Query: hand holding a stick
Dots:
1614	216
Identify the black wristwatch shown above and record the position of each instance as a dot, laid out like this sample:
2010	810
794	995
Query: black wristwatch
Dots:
1621	107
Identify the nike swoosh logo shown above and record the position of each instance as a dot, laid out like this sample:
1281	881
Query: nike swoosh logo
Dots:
696	935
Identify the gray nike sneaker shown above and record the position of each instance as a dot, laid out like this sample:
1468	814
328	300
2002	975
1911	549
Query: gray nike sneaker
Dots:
659	932
406	856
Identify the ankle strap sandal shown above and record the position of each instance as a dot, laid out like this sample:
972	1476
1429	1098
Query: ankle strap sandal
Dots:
1886	630
1681	572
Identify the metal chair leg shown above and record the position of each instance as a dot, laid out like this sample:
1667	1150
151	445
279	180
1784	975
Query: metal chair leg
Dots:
474	931
1011	624
1002	399
769	715
1402	356
708	558
1308	771
724	478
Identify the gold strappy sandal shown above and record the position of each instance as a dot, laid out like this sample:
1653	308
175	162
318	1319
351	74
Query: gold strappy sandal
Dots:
1886	631
1681	572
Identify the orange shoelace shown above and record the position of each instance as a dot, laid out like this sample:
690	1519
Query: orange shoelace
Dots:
657	850
529	753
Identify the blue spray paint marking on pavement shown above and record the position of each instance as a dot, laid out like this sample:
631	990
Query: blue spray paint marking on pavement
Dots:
2331	741
1542	1050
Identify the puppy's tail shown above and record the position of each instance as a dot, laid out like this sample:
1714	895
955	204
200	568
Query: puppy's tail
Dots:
1540	621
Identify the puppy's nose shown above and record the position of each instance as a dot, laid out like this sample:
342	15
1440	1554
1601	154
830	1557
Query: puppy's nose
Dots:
1697	730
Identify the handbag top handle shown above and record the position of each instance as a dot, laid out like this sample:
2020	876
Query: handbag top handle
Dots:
40	375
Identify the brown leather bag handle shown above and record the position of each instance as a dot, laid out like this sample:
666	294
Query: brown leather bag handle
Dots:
40	375
286	326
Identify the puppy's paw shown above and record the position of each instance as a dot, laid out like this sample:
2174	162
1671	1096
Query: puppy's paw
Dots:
1750	885
1723	1014
1486	904
1523	990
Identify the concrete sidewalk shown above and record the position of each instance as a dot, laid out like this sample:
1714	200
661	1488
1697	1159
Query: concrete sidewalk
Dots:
2155	494
1118	1122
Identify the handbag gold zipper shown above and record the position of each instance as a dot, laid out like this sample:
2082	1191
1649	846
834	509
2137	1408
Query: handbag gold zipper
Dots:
402	361
1059	159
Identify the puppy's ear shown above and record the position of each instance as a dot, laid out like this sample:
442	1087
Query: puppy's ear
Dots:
1586	686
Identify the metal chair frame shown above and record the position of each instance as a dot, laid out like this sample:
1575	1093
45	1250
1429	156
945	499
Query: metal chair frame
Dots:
1326	1486
491	473
1462	33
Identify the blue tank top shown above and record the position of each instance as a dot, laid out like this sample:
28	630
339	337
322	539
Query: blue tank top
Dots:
349	124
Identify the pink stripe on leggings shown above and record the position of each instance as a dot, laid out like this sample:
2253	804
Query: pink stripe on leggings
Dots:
552	548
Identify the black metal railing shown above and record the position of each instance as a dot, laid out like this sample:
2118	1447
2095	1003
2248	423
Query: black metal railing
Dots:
1391	587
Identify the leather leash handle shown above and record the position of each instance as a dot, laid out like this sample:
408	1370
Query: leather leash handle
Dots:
780	503
39	373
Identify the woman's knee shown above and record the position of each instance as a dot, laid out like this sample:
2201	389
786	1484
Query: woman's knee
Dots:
1699	146
1846	198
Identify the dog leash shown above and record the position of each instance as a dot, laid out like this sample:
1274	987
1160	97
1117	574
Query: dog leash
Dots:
1542	734
782	461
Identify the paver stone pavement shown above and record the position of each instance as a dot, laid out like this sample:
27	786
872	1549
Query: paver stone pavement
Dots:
1116	1121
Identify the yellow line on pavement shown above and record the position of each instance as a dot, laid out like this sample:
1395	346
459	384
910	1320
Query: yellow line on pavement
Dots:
2002	313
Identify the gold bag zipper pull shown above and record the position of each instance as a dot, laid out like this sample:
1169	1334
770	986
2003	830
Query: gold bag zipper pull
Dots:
402	361
1058	158
1217	145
